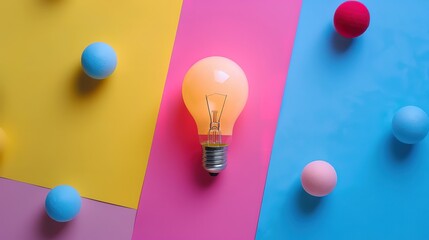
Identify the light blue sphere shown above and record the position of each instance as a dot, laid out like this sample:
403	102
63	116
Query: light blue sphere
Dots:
99	60
410	124
63	203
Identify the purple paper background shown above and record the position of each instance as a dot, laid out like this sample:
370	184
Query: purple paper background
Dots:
23	217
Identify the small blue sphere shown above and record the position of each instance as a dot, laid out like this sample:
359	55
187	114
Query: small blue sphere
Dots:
63	203
99	60
410	124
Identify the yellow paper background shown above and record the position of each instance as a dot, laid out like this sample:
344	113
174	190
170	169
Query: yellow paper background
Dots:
65	128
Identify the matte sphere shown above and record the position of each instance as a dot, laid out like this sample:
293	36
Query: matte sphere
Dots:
63	203
99	60
351	19
318	178
410	124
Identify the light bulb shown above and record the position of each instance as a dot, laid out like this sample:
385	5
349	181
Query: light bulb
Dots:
215	91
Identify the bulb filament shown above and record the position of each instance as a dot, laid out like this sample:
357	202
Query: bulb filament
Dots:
214	136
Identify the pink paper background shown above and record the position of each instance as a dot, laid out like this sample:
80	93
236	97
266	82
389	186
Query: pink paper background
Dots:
179	199
23	217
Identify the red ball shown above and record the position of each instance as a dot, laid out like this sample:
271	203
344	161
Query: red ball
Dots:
351	19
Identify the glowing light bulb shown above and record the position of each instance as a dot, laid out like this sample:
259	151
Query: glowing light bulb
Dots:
215	91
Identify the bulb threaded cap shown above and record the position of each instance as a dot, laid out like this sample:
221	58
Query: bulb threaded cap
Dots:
214	159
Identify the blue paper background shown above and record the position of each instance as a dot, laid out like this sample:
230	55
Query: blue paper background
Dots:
339	100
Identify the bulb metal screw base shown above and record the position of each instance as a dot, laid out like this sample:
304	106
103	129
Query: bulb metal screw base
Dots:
214	159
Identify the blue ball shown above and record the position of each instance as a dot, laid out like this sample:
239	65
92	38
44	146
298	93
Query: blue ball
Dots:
410	124
63	203
99	60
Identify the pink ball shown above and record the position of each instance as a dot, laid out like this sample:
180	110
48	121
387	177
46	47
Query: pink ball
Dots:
318	178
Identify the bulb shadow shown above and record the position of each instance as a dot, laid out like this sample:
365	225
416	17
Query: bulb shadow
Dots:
50	229
186	127
202	177
339	43
306	203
